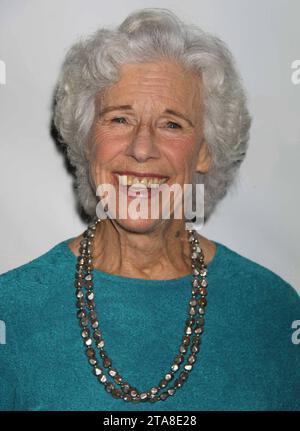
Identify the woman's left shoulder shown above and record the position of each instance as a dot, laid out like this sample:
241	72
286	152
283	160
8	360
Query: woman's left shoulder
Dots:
256	279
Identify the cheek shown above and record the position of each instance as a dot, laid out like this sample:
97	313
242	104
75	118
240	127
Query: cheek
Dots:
105	147
182	151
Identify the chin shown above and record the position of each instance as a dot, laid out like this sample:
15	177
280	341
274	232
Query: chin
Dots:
138	226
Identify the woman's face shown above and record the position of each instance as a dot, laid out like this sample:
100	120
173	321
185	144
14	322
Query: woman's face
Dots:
147	126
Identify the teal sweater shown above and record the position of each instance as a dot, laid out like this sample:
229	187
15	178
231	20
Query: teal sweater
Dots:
247	360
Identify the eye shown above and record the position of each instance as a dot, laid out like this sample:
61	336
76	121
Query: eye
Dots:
119	120
174	125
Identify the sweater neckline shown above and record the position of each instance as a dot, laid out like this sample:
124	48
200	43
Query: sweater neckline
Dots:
99	274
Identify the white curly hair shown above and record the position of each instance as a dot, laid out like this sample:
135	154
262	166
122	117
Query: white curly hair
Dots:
148	34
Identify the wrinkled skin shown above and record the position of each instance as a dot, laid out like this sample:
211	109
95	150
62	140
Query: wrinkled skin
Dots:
144	138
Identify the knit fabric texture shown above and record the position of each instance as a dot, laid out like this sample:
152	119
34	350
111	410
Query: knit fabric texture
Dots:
247	360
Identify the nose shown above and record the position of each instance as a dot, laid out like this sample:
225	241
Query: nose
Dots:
143	145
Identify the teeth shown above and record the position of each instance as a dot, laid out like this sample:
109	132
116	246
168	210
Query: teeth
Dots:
129	180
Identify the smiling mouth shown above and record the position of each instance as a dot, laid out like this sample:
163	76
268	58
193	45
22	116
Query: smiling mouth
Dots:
141	181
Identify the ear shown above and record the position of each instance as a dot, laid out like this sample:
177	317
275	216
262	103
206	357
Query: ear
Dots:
204	158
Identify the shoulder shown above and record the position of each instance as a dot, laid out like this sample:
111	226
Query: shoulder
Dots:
20	286
32	268
260	297
262	313
254	278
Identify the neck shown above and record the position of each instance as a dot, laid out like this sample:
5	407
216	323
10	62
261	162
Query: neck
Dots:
161	253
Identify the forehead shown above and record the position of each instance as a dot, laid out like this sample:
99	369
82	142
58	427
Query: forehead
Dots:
156	69
160	80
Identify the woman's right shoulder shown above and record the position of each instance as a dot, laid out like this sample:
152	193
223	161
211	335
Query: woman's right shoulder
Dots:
29	280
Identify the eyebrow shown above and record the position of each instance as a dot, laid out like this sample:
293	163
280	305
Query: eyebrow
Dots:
125	107
113	108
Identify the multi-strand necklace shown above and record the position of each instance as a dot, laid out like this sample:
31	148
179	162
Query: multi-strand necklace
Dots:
91	333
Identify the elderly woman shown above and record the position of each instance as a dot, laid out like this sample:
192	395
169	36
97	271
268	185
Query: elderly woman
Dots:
144	312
